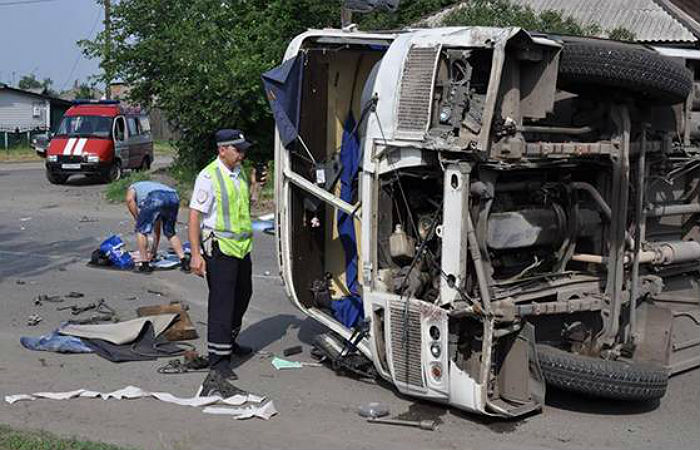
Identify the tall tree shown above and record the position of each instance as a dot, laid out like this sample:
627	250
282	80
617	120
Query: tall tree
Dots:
29	82
200	61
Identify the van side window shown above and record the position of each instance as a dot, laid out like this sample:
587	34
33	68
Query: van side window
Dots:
133	126
119	129
145	125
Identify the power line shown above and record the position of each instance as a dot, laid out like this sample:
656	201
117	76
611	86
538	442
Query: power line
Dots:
80	53
24	2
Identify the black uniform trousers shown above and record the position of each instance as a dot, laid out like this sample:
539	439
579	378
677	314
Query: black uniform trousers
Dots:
230	284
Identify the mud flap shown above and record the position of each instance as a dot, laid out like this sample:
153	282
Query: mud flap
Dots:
655	337
520	380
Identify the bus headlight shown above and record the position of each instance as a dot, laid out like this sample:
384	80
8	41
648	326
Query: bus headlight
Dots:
93	159
52	158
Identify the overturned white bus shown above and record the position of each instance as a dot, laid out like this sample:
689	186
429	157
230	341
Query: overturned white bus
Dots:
476	212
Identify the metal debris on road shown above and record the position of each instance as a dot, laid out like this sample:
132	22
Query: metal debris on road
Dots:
292	350
21	282
430	425
43	298
373	410
74	294
33	320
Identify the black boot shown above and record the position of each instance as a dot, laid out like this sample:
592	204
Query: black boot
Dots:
217	384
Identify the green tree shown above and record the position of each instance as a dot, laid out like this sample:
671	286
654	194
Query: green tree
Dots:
85	92
200	61
409	12
621	34
31	82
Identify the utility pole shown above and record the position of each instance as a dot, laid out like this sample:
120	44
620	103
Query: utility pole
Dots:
345	17
107	60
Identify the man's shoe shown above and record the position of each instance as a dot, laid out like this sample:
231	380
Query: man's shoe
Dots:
227	373
144	267
185	264
216	384
241	350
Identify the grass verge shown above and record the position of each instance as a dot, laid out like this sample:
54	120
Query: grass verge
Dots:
163	147
19	154
14	439
115	192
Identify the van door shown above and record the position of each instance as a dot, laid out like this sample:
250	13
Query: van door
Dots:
120	136
136	147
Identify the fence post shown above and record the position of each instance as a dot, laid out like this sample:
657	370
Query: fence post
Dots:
6	147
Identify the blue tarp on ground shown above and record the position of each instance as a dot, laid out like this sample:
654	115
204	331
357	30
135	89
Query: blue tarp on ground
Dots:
283	90
54	342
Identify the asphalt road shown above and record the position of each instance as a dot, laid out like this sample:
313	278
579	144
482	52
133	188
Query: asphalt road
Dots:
46	236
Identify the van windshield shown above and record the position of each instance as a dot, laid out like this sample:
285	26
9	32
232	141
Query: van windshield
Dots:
96	126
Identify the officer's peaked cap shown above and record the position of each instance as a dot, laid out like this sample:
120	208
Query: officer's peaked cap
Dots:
229	136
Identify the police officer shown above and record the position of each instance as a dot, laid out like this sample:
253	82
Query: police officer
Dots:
220	208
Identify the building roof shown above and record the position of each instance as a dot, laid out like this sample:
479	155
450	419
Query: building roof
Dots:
52	99
647	19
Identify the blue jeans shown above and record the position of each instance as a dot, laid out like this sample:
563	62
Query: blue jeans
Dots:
161	205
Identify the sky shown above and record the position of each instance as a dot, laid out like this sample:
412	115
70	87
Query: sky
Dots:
39	37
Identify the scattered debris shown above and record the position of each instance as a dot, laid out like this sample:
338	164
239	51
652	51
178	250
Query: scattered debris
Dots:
43	298
86	219
292	350
158	293
283	364
33	320
55	342
73	294
131	298
246	406
105	313
267	273
374	410
430	425
25	219
192	362
21	282
182	329
77	309
42	361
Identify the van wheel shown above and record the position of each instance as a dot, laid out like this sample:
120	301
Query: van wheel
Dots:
55	178
587	64
619	380
145	164
115	172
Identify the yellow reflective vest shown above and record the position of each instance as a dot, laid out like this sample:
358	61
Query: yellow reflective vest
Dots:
234	229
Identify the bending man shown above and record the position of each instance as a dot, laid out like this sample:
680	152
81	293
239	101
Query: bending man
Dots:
154	206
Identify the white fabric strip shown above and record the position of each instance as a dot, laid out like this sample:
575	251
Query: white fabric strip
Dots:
69	146
252	402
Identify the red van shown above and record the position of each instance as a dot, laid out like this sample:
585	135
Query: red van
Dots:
99	139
